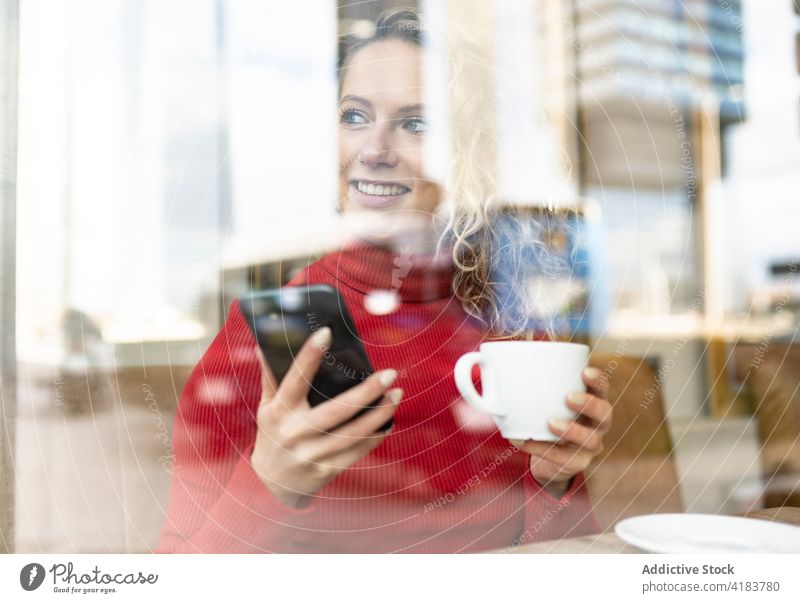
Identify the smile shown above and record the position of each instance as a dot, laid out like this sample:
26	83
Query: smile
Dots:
380	190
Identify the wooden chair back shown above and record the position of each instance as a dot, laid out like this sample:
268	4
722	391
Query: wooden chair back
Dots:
636	472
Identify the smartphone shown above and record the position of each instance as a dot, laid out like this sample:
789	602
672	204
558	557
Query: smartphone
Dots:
282	319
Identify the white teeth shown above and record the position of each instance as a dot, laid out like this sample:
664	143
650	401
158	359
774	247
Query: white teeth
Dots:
380	190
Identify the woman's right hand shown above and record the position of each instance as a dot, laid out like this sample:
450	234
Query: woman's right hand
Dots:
298	448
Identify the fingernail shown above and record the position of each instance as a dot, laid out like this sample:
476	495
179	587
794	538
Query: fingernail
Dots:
592	373
387	377
395	395
577	398
559	424
322	337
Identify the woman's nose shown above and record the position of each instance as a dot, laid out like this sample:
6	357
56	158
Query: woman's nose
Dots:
379	150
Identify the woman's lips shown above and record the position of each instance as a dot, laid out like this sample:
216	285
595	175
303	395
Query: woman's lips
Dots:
377	195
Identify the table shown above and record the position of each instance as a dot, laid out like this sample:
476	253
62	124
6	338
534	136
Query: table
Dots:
611	543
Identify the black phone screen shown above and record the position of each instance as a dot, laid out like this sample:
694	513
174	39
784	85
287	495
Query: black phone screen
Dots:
283	319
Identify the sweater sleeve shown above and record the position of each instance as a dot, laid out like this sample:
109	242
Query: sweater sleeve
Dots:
549	518
217	503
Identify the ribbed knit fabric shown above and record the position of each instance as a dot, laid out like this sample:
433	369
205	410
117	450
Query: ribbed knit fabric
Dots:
444	480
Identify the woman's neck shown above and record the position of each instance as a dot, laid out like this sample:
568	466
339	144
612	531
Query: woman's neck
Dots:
400	268
401	233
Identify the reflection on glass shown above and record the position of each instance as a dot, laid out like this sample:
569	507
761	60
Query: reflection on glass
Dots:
620	174
280	475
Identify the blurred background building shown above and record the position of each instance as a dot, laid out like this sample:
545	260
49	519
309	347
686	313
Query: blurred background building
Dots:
646	74
762	178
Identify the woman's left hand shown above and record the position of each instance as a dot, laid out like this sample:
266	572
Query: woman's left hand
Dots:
554	464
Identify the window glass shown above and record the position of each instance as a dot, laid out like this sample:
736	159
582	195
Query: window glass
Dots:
454	207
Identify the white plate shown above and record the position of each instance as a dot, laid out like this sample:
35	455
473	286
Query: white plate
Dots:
694	533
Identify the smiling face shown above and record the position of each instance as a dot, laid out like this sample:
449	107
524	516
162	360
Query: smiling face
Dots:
381	131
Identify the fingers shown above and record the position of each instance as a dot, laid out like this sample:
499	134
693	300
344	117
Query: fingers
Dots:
366	425
318	447
569	459
353	436
346	458
598	410
293	390
572	432
559	453
596	382
336	411
325	464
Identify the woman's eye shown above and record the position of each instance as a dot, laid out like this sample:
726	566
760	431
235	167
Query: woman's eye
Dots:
415	125
352	117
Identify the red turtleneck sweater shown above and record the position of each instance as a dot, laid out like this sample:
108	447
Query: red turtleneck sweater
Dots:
444	480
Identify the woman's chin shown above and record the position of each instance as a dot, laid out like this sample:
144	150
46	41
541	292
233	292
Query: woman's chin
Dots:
388	227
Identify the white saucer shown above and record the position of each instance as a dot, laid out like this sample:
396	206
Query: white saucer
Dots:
695	533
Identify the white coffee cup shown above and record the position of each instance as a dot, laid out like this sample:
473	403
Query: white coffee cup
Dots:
524	383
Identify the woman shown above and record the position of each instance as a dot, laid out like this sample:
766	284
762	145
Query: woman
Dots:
258	469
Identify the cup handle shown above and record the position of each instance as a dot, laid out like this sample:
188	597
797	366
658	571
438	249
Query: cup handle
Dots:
463	377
